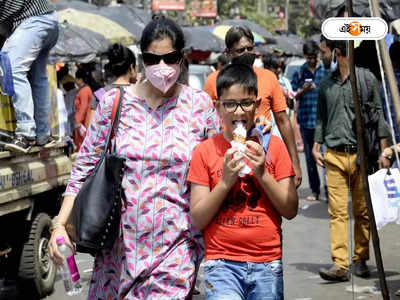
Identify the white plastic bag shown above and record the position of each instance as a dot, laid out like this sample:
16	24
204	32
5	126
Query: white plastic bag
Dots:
384	187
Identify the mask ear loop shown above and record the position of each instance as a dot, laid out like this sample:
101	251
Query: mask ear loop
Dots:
334	56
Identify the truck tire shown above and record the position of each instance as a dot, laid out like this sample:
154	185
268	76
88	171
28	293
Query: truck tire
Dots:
36	269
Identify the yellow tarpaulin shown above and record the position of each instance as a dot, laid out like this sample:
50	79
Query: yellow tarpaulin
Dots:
112	31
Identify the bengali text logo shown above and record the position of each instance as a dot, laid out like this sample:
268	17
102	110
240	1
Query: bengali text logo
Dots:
354	28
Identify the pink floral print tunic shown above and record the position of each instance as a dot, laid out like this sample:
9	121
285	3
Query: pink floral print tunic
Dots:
158	251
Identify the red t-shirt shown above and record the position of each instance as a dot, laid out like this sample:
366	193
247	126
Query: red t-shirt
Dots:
247	226
269	91
82	113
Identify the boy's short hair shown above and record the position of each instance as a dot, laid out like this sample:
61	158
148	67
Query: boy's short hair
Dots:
241	74
310	47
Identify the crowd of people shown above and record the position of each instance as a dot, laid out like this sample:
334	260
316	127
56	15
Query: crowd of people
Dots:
185	198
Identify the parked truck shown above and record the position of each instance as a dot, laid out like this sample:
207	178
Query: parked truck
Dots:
31	186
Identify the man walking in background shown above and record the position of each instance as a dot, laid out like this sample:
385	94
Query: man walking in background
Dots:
306	83
33	32
334	127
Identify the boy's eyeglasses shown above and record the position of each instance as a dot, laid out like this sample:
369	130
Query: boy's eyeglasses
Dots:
154	59
241	50
245	105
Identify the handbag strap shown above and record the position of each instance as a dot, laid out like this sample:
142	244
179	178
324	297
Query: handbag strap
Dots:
115	107
115	114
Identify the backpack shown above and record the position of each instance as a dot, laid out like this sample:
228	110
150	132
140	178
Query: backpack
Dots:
369	120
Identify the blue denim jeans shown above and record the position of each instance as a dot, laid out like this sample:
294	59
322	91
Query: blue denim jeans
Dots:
28	48
307	135
233	280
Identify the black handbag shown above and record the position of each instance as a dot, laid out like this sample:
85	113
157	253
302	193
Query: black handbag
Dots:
95	217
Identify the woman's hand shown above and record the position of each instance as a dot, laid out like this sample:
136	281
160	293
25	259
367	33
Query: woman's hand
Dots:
55	255
233	163
256	156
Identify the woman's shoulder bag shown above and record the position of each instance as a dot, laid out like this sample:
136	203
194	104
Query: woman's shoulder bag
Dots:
96	213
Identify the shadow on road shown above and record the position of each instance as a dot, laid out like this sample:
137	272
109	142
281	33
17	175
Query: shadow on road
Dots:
314	268
393	286
14	291
313	209
310	267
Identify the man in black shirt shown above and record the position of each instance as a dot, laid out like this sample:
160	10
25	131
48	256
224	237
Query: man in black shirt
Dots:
335	119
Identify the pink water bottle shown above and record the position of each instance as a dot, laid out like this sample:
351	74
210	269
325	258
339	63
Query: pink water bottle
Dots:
69	271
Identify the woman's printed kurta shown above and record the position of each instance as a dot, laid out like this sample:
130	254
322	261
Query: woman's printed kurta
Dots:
158	250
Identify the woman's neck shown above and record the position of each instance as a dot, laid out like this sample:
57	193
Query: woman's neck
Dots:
122	80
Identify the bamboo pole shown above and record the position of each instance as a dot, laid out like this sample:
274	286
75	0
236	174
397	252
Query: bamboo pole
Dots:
364	166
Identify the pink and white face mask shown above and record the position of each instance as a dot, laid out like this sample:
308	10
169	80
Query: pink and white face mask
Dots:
163	76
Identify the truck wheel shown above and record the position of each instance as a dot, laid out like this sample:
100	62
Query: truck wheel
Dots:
36	270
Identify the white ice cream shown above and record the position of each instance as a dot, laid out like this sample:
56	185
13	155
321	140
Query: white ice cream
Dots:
240	131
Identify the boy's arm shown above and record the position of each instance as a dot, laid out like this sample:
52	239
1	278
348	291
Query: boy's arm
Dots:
282	194
205	204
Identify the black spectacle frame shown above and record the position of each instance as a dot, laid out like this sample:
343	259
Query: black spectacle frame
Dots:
232	106
241	50
154	59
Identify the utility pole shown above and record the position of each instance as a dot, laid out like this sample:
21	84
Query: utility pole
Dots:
364	165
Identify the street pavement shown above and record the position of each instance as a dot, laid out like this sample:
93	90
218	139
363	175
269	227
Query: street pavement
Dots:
305	250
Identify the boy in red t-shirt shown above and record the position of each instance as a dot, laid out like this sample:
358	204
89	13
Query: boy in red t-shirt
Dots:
241	216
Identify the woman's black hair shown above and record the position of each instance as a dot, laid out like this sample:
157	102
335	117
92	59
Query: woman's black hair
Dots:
271	61
240	74
223	59
235	33
82	74
120	60
159	28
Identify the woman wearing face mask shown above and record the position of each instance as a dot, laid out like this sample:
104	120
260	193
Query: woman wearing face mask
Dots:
158	251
